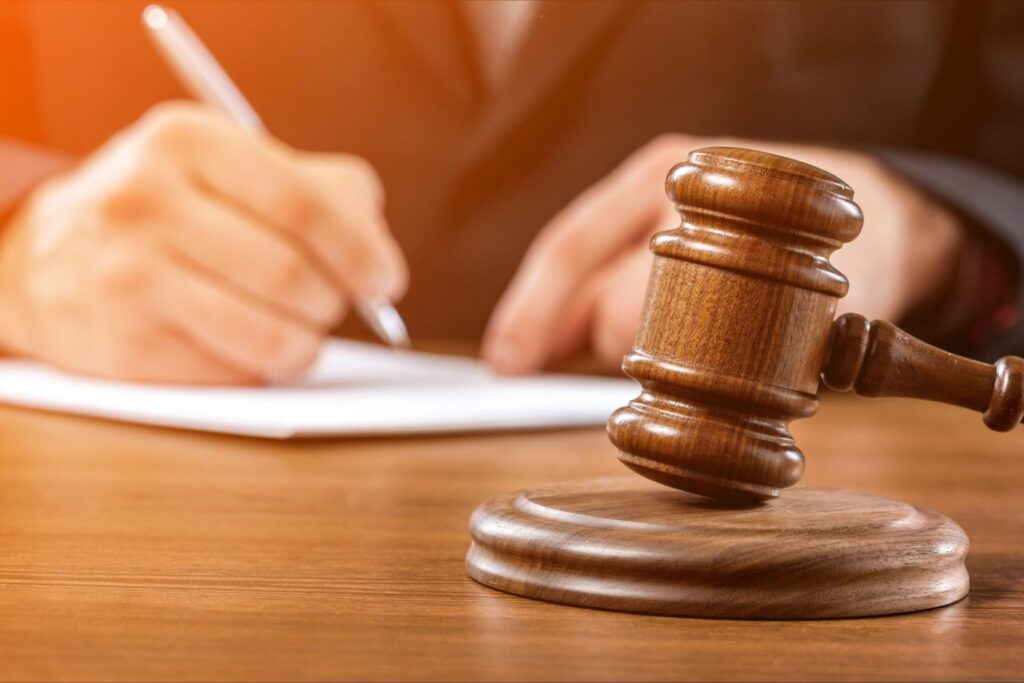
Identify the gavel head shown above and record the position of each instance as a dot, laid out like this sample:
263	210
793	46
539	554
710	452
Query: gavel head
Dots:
735	324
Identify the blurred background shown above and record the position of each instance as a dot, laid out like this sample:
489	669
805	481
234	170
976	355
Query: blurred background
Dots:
485	119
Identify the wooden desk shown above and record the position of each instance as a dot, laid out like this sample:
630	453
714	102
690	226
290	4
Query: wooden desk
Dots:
135	553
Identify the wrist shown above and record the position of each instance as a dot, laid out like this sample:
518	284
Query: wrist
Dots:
939	250
979	301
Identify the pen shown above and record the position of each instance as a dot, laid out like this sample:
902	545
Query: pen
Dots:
201	74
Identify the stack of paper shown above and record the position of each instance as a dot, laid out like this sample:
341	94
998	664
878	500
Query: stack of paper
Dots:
353	389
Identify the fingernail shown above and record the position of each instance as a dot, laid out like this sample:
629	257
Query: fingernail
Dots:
388	285
507	358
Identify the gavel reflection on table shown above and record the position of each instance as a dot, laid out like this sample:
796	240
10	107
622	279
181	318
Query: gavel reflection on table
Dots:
737	333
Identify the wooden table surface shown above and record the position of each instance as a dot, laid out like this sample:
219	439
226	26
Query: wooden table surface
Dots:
137	553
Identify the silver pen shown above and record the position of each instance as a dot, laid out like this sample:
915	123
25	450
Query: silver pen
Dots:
204	77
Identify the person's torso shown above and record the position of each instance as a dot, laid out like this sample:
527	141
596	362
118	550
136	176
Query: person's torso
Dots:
474	169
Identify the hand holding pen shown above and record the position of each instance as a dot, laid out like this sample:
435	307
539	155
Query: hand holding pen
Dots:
198	71
188	249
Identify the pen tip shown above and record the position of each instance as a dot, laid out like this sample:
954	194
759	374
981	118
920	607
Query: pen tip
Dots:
395	334
386	322
402	342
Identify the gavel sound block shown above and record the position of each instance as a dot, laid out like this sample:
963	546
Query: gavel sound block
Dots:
736	335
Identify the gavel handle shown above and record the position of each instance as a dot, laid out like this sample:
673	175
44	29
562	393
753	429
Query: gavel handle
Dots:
879	359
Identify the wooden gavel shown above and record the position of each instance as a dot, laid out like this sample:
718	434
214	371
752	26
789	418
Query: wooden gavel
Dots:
738	331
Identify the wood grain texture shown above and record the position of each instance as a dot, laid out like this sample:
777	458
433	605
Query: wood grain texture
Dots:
879	359
139	554
737	329
627	544
735	323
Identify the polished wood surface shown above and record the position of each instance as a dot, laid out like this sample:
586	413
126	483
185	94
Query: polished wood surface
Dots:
135	553
631	545
735	323
737	327
735	337
879	359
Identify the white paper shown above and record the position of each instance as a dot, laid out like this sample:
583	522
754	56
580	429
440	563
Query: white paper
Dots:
354	389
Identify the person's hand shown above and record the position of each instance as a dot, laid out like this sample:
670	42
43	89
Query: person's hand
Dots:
187	250
584	277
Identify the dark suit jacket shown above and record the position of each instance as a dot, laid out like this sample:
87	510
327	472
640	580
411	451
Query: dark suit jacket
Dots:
472	173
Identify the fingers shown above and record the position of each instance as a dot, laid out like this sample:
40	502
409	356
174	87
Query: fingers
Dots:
331	207
619	305
181	362
238	333
608	218
186	250
163	357
354	194
606	311
243	255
